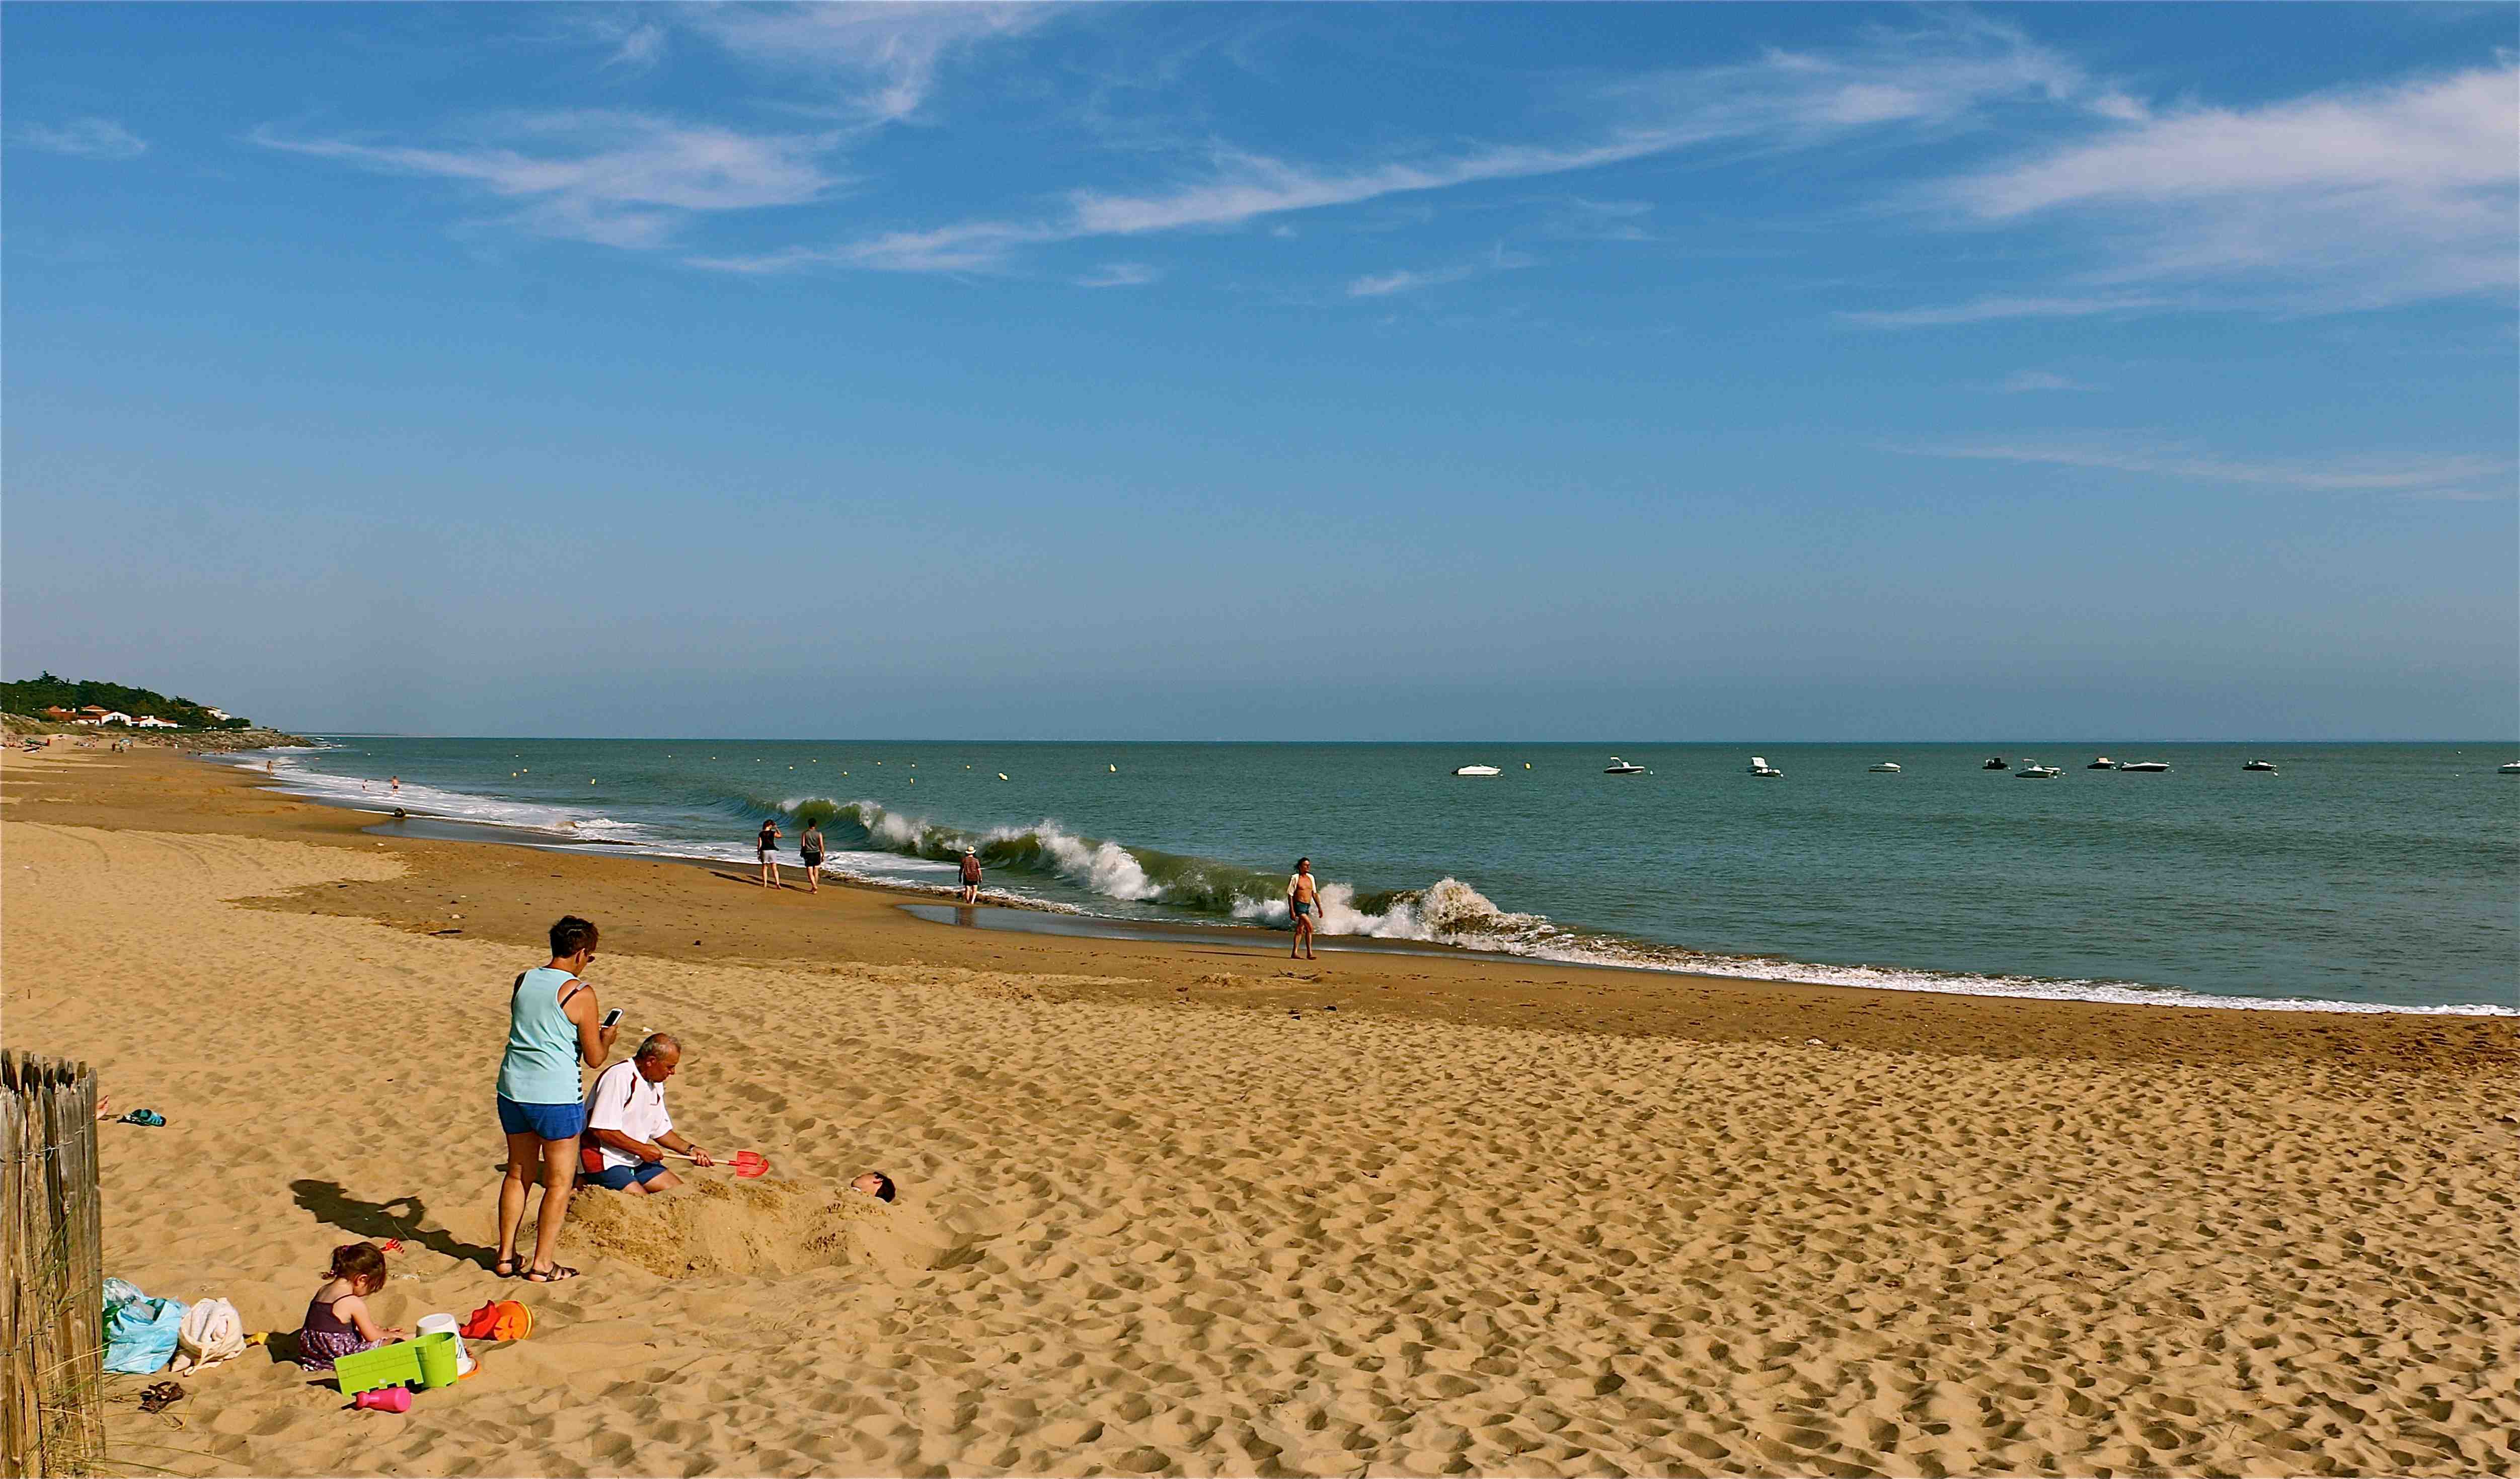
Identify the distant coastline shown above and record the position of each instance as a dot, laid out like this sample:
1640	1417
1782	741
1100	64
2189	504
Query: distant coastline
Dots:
19	727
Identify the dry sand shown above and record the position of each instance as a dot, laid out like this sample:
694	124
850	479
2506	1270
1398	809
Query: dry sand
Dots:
1150	1223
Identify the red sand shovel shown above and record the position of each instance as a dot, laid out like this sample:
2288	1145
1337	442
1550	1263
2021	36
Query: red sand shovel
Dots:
746	1164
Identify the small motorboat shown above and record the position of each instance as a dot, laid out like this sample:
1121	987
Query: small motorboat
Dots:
1886	768
1760	767
1476	770
2512	768
1619	766
1996	762
2268	766
2145	767
2101	762
2032	770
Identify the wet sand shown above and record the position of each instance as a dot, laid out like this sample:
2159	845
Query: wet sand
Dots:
1192	1207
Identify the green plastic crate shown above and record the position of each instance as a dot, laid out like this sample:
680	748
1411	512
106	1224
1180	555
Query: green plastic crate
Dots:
429	1361
385	1365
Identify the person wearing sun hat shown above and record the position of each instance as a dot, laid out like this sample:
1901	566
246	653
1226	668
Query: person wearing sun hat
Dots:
970	874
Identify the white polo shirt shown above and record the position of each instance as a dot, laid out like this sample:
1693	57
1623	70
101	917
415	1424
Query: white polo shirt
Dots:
623	1100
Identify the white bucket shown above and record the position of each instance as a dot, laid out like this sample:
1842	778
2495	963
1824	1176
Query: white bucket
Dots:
430	1324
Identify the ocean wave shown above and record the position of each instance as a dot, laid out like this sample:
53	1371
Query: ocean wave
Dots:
875	844
422	800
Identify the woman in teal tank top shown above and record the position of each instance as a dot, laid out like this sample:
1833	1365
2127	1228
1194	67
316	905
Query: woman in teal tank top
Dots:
552	1029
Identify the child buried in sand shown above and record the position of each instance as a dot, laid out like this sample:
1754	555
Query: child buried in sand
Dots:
337	1322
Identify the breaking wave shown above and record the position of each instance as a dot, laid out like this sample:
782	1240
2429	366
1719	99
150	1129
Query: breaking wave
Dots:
875	843
1448	912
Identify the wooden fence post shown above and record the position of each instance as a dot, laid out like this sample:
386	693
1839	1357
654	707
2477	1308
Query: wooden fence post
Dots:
52	1269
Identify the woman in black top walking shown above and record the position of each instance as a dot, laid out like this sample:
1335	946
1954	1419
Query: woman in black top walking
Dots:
768	846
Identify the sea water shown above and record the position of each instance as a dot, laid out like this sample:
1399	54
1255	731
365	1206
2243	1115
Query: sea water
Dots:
2359	877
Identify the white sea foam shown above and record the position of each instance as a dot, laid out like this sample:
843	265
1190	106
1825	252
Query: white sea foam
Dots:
1453	912
421	801
1449	912
1106	868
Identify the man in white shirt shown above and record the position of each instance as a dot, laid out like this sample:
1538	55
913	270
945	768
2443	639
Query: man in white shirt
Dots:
628	1129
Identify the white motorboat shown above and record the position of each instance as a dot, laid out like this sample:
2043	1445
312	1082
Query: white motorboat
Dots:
1619	766
2268	766
1476	770
1886	768
2146	766
2032	770
1760	767
2101	762
2512	768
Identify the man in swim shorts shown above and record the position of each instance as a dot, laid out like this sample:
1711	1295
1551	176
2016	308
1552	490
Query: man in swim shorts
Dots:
627	1127
1303	907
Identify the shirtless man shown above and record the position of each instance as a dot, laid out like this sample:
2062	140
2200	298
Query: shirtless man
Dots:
1303	907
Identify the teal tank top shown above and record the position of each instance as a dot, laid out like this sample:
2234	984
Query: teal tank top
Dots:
541	1062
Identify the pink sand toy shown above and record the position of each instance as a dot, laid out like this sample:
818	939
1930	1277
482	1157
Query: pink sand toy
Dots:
391	1399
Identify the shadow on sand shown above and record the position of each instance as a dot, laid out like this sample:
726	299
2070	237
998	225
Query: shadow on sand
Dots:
403	1217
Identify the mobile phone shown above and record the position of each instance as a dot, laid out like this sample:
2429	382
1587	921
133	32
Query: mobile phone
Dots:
612	1018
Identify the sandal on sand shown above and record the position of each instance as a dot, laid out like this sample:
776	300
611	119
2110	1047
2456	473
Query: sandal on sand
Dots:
506	1268
553	1275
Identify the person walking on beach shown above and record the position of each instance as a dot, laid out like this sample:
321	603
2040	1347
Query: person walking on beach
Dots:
551	1028
767	844
970	875
810	848
1303	903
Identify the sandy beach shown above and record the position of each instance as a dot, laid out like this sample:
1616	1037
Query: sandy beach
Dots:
1172	1208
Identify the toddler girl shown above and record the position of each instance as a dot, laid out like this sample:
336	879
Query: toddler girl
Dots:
337	1322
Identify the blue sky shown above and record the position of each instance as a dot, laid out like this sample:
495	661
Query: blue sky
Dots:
1344	372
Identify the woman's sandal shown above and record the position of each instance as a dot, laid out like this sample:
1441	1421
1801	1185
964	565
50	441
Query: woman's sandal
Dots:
553	1275
506	1268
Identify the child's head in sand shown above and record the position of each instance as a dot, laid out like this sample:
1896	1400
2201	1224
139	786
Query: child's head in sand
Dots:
873	1184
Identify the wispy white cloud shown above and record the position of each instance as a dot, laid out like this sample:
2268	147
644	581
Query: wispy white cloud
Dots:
1499	258
620	179
882	60
84	138
2350	199
1386	284
1930	77
2022	380
2415	473
1119	275
1983	309
638	47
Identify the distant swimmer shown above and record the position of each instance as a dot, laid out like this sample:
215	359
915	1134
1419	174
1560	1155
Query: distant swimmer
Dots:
397	785
970	875
767	844
1303	907
810	848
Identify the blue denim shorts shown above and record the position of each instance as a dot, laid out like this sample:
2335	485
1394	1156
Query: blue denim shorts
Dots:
551	1122
619	1178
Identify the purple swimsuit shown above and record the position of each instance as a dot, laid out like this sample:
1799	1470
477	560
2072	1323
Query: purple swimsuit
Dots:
325	1338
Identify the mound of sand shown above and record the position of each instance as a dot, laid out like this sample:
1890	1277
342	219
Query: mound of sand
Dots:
716	1226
